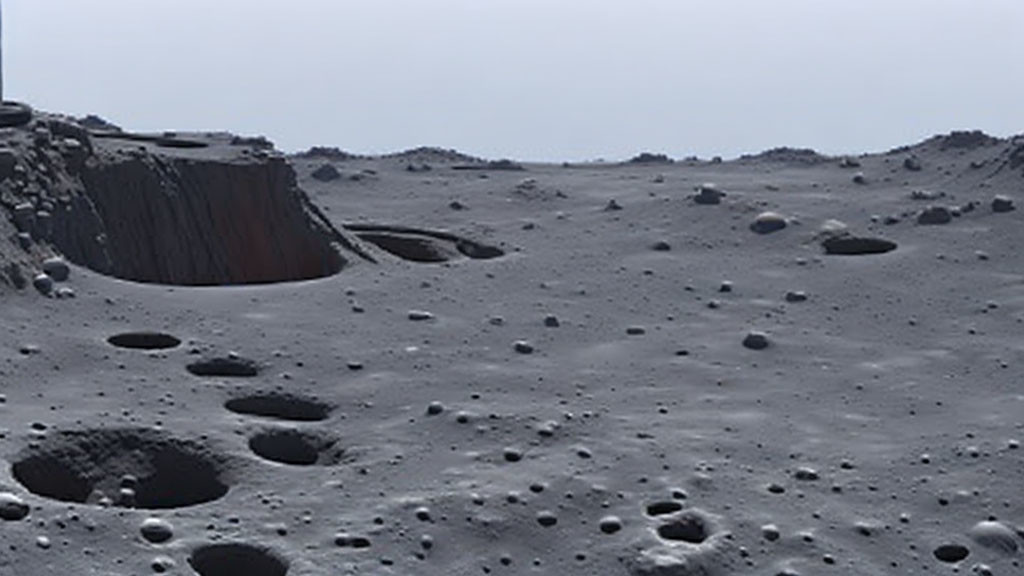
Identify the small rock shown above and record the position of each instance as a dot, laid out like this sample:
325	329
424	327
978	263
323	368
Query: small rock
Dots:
1002	204
547	518
43	283
512	454
12	507
612	206
806	474
420	315
57	268
636	330
65	293
156	530
551	321
725	286
755	340
24	240
859	178
796	296
912	163
661	246
435	408
708	194
849	162
326	173
768	222
935	215
522	347
770	532
456	205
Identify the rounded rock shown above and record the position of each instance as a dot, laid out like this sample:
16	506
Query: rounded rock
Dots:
768	222
43	283
934	215
57	268
1002	204
610	524
755	340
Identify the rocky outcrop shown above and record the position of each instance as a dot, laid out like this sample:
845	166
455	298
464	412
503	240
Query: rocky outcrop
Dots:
204	209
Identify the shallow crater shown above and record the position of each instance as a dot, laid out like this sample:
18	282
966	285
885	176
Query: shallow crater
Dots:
125	467
280	406
296	448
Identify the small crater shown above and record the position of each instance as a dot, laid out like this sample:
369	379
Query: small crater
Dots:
687	527
144	340
663	508
280	406
235	559
129	468
225	366
951	553
857	245
407	247
287	446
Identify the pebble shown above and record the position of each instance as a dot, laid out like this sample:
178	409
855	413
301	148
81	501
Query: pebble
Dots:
57	268
755	340
768	222
156	530
12	507
796	296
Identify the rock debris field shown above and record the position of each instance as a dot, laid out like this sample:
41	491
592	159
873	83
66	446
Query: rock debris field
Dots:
218	360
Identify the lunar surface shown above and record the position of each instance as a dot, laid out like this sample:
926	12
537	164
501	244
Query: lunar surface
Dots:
218	360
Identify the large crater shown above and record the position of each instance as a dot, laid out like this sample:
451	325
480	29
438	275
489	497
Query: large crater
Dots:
124	467
202	210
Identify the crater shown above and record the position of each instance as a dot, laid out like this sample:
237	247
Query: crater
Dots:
691	526
423	246
144	340
129	468
280	407
225	367
663	508
951	553
857	245
296	448
235	559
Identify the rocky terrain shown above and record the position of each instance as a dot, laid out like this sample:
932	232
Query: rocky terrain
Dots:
222	361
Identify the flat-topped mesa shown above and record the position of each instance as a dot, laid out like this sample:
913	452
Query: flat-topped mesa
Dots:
197	209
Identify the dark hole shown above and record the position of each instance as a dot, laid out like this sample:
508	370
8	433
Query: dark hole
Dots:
663	508
286	447
236	560
280	406
690	529
857	246
951	552
144	340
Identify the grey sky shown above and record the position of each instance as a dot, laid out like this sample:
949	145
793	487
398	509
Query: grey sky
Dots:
530	79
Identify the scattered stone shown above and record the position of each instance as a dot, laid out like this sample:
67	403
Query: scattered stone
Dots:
522	347
64	293
935	215
43	283
926	195
12	507
610	524
995	536
156	530
768	222
57	268
1002	204
326	173
796	296
755	340
420	315
708	194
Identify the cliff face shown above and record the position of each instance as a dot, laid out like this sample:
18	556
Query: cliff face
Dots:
175	220
208	210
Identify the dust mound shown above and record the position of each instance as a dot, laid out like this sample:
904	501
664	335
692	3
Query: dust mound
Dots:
132	468
280	406
235	559
144	340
